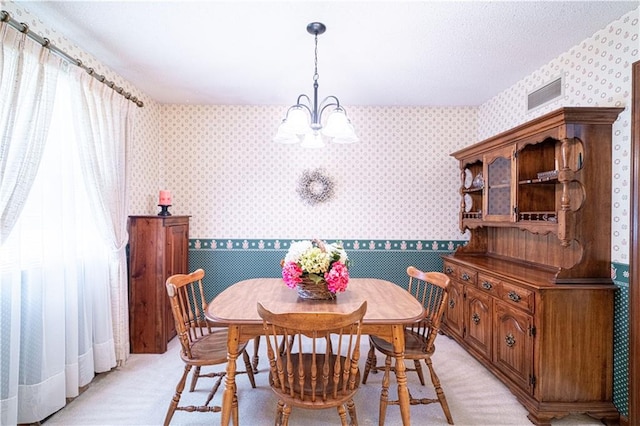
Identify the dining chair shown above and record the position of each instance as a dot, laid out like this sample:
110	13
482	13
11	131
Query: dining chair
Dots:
202	344
313	360
430	289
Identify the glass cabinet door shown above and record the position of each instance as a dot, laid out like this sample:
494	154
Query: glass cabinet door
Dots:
499	201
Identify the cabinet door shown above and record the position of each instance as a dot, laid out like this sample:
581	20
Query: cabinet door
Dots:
176	262
478	321
453	316
513	344
499	200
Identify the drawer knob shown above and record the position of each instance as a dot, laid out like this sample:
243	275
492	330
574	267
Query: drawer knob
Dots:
475	318
448	270
510	340
487	285
465	276
513	296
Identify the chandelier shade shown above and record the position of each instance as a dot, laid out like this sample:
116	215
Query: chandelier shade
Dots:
303	121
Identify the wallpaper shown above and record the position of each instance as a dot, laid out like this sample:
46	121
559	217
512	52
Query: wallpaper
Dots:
398	182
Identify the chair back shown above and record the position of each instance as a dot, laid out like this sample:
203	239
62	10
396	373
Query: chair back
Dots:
432	290
313	357
188	306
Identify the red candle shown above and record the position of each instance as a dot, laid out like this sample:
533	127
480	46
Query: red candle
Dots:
165	198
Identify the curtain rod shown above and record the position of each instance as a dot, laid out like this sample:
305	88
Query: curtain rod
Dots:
45	42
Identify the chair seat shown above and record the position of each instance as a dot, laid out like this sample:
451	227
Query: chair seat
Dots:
210	349
414	345
341	398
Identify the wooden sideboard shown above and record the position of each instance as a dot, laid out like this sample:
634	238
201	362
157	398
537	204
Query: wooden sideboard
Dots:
532	296
158	248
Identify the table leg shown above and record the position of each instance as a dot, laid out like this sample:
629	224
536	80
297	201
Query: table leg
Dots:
401	374
229	398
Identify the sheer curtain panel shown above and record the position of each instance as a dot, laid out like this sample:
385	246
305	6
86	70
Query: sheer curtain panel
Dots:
63	283
27	89
104	126
28	75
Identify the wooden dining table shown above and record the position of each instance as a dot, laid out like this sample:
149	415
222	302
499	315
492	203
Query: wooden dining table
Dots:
389	306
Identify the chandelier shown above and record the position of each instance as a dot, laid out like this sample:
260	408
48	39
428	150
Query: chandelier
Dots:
303	121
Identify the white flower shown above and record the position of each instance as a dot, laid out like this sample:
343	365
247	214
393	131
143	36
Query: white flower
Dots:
337	248
296	250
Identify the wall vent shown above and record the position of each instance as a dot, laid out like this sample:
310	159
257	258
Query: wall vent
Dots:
545	94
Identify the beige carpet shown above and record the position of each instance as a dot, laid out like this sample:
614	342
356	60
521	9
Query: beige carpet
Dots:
139	393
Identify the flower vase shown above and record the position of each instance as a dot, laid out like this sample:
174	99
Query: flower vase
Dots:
311	290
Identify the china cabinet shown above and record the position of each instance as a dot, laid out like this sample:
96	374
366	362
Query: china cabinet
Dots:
158	248
532	295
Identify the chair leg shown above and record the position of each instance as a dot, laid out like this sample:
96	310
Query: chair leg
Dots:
194	378
439	392
371	363
351	408
384	395
235	417
256	358
285	415
343	415
248	366
280	413
418	368
176	397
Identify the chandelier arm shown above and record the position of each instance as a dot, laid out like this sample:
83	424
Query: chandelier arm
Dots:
330	97
298	105
301	97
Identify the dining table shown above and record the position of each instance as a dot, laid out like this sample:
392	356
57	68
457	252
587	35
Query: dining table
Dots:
389	307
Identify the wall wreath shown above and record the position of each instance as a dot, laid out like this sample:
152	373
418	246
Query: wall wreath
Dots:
315	187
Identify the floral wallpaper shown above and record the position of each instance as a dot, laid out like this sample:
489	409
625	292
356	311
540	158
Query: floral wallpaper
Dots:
397	182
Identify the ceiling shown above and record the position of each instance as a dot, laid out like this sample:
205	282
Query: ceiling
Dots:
383	53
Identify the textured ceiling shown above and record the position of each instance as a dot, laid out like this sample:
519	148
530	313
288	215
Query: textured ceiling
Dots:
428	53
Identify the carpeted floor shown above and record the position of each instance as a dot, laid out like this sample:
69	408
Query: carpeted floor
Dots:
139	393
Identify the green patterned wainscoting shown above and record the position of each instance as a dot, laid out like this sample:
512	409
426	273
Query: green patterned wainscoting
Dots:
227	261
620	275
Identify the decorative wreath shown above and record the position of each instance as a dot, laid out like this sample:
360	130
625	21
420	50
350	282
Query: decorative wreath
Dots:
315	187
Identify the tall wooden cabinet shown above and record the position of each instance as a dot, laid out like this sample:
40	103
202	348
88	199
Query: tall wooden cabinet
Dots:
158	248
532	295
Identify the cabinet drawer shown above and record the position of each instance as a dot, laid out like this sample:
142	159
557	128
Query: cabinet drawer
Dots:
517	296
450	270
489	284
467	276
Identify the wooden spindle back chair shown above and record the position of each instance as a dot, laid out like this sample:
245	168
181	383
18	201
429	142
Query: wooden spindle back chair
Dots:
202	344
430	289
313	360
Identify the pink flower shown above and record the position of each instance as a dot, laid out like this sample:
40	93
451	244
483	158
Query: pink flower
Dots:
291	273
337	278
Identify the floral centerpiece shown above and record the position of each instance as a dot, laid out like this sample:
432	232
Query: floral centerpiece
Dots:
317	269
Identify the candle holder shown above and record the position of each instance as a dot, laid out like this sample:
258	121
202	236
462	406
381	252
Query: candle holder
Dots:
164	210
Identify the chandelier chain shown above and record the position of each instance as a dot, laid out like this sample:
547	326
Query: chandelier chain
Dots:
315	73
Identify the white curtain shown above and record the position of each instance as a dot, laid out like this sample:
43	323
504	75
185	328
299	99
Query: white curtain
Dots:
104	124
28	75
63	283
27	88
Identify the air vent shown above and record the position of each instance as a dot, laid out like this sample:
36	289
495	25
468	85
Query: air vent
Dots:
545	94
